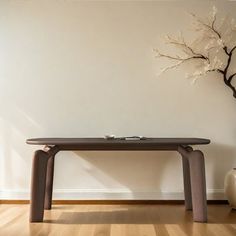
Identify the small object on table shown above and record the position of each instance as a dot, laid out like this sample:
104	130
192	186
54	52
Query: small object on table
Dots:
134	138
109	137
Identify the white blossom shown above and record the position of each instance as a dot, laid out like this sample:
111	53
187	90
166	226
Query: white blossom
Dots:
214	10
211	48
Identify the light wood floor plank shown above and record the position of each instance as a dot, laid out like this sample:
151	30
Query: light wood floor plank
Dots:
102	230
161	230
117	220
117	230
220	229
147	229
175	230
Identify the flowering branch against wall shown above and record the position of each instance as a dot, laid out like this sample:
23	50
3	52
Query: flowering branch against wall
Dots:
214	48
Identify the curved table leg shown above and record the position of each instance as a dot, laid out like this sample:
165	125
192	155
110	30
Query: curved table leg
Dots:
49	183
186	179
196	167
38	183
198	185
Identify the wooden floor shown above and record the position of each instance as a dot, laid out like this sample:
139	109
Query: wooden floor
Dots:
117	220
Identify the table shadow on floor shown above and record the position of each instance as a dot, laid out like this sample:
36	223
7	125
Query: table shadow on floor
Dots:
144	215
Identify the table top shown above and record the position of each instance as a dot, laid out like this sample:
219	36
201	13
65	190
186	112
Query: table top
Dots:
108	142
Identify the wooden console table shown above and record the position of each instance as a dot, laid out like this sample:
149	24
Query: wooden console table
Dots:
193	167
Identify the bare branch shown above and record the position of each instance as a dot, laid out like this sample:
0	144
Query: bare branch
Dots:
214	70
207	26
172	67
185	46
227	83
214	45
232	50
181	59
220	71
159	54
212	27
231	77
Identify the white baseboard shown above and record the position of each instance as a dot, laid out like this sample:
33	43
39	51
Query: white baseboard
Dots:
104	194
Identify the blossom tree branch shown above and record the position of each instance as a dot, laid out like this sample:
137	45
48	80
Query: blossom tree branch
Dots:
215	43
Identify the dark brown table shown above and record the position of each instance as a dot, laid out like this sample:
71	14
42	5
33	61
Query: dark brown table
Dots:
192	160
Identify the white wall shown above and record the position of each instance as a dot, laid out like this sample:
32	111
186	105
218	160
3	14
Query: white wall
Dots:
85	69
